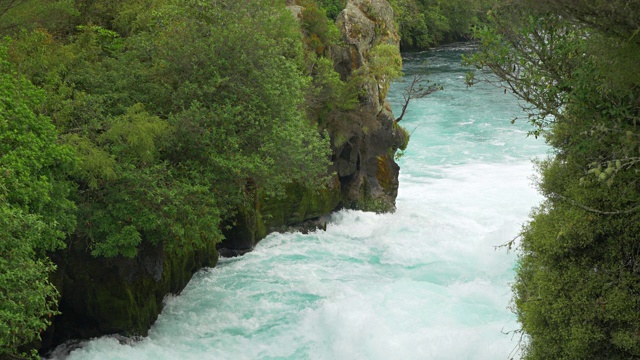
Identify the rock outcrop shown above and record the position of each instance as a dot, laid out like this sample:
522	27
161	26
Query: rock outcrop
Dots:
366	174
117	295
365	164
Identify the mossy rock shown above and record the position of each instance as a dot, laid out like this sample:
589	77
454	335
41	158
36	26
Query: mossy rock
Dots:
384	175
298	205
118	295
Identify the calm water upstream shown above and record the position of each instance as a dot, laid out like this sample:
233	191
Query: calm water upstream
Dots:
422	283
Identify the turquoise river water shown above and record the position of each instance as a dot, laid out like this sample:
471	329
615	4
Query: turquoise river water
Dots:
422	283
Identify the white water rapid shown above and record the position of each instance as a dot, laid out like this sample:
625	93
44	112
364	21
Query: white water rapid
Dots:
422	283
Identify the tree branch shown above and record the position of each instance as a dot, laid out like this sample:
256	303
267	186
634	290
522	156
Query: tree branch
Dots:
416	90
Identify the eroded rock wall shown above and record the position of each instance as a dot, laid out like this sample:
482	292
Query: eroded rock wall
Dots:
365	163
117	295
365	172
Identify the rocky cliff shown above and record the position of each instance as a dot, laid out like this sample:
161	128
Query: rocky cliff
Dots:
124	296
364	163
365	172
117	295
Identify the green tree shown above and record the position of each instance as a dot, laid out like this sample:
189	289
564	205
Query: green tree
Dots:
332	7
55	15
576	289
35	211
428	23
127	122
175	127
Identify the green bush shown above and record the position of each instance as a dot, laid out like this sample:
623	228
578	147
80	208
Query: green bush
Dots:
35	211
332	7
576	289
428	23
177	121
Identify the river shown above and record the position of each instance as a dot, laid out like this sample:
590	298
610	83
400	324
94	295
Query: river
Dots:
425	282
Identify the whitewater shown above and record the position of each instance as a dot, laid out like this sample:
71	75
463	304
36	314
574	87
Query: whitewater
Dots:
425	282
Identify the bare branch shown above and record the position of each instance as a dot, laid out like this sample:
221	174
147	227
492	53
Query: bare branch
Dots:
509	244
519	345
417	90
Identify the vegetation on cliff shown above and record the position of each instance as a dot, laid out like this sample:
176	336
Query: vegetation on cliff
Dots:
35	212
575	63
129	124
428	23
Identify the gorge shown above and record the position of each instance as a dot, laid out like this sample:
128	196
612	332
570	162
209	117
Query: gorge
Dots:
423	282
124	294
199	179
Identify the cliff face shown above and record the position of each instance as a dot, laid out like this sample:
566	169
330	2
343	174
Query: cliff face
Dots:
365	172
365	164
106	296
118	295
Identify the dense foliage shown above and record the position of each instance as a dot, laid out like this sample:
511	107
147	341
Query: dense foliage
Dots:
575	63
35	212
126	122
332	7
427	23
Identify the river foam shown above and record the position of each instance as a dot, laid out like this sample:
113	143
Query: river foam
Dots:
423	283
